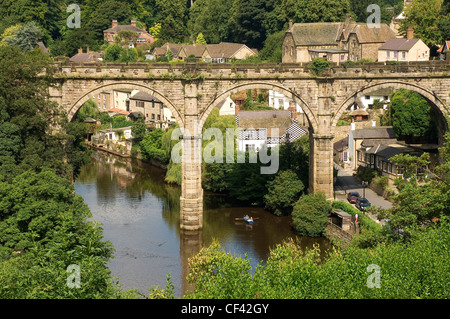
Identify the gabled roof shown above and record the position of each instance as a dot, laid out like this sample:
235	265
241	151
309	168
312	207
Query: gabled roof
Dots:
86	57
118	111
225	49
196	49
142	96
269	119
366	34
173	47
320	33
399	44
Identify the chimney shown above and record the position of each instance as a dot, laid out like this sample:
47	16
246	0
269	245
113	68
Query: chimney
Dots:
236	109
87	50
133	23
293	111
80	50
410	33
290	24
114	23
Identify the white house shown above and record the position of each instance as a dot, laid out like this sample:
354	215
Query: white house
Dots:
368	100
281	102
227	107
270	128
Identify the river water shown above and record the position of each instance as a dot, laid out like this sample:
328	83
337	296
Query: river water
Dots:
139	214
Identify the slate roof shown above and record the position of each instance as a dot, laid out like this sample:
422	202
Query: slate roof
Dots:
86	57
380	132
224	49
399	44
118	28
196	50
142	96
280	119
320	33
366	34
341	145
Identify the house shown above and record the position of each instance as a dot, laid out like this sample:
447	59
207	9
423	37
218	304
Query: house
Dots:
227	51
89	56
270	128
442	51
381	95
356	137
103	100
143	37
335	41
340	151
116	139
378	156
121	99
153	109
227	107
401	49
215	53
359	115
164	50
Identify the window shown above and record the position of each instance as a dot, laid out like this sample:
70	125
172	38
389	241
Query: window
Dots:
342	57
249	147
159	117
403	55
153	116
140	103
367	97
395	54
388	54
345	156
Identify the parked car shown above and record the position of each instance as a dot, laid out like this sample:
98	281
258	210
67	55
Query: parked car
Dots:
362	203
352	197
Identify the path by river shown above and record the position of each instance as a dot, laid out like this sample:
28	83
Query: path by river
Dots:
140	216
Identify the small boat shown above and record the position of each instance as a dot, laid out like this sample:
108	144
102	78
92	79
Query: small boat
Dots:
247	219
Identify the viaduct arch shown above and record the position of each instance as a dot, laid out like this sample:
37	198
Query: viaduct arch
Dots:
192	90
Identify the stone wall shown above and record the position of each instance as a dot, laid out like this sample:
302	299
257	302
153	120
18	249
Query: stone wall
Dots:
337	235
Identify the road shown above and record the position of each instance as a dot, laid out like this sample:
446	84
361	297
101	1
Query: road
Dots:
345	183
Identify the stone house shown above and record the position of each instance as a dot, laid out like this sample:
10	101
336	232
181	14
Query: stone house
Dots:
377	155
335	41
149	106
143	36
356	137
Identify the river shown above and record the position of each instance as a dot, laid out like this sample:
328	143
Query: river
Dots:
139	214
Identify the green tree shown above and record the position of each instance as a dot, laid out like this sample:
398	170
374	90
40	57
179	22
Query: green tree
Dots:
310	215
283	192
139	128
25	36
200	39
172	16
114	53
424	17
412	116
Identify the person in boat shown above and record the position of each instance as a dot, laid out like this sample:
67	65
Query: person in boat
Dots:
250	220
246	217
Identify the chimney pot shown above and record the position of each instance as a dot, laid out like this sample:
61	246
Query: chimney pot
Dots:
80	50
133	23
114	23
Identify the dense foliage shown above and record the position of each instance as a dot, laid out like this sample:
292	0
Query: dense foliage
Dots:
310	215
43	223
257	23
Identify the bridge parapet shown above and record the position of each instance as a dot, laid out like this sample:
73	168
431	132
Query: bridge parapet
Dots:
183	70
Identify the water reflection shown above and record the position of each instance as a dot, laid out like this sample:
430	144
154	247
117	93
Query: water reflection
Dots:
140	216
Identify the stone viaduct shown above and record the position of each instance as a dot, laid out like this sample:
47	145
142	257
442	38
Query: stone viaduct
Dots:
192	90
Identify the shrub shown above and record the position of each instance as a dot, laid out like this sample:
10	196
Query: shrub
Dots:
310	215
318	65
283	191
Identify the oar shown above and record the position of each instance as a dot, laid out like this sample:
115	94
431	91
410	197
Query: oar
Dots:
237	218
